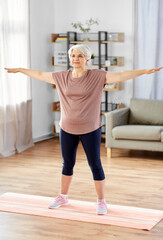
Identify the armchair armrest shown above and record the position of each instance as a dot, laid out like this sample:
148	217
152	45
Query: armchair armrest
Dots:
117	117
114	118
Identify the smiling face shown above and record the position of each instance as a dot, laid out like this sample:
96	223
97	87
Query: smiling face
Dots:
78	59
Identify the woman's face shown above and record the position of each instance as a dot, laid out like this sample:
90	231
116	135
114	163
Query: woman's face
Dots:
78	59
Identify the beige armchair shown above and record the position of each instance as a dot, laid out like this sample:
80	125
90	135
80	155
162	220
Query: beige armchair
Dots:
138	127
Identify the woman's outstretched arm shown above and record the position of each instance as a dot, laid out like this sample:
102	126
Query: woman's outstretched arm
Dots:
36	74
112	77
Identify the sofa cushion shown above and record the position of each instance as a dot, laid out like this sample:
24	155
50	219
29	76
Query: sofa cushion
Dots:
146	112
138	132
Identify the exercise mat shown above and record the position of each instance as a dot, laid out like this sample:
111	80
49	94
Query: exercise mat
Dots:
123	216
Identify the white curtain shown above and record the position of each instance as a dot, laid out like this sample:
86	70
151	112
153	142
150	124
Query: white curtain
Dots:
149	47
15	89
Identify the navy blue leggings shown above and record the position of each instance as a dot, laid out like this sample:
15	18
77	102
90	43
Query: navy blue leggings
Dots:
91	144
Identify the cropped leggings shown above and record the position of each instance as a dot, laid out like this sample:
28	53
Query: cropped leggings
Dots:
91	143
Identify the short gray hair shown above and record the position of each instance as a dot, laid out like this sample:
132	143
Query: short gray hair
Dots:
83	48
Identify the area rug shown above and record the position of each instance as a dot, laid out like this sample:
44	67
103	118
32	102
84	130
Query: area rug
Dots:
123	216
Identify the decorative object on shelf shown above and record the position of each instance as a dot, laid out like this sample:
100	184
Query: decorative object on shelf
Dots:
60	57
92	56
110	86
114	61
91	61
110	61
113	37
107	62
85	28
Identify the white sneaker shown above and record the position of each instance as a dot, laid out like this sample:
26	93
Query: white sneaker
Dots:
58	202
101	208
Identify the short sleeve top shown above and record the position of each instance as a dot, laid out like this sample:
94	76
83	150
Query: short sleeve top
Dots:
80	100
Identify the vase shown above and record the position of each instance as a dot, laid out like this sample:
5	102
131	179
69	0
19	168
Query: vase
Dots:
85	37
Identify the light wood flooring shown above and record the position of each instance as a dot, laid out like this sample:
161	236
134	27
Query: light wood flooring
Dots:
133	178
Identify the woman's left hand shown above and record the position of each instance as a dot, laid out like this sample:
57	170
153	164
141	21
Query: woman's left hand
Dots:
152	70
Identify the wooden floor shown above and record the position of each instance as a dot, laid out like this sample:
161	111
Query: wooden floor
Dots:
133	178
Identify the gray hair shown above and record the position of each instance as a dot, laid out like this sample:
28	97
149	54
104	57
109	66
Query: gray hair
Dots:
83	48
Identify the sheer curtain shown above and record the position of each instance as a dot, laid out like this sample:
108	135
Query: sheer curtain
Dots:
15	89
149	47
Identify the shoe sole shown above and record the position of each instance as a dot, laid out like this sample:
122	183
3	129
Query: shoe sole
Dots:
59	206
101	213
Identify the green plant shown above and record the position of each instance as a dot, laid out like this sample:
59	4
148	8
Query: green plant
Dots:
85	28
92	56
115	60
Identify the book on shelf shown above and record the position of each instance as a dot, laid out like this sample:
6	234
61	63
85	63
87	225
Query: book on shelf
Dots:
55	37
61	39
57	40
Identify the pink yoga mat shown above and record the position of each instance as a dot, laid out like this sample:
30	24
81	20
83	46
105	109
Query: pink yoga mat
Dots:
123	216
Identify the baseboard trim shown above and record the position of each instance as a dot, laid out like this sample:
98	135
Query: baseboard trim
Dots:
44	137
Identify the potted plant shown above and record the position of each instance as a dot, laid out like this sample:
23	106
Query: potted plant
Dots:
114	61
91	60
85	27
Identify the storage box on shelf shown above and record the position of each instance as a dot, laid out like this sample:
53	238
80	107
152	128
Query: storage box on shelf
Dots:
100	61
56	106
53	86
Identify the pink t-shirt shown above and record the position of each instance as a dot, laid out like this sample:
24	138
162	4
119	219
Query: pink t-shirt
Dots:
80	100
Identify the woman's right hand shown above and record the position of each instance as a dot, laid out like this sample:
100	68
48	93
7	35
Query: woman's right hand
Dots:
12	70
36	74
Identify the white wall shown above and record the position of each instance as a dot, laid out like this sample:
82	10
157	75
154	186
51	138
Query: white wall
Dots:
54	16
41	27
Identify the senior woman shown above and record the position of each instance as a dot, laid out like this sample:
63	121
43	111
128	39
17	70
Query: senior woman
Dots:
80	91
